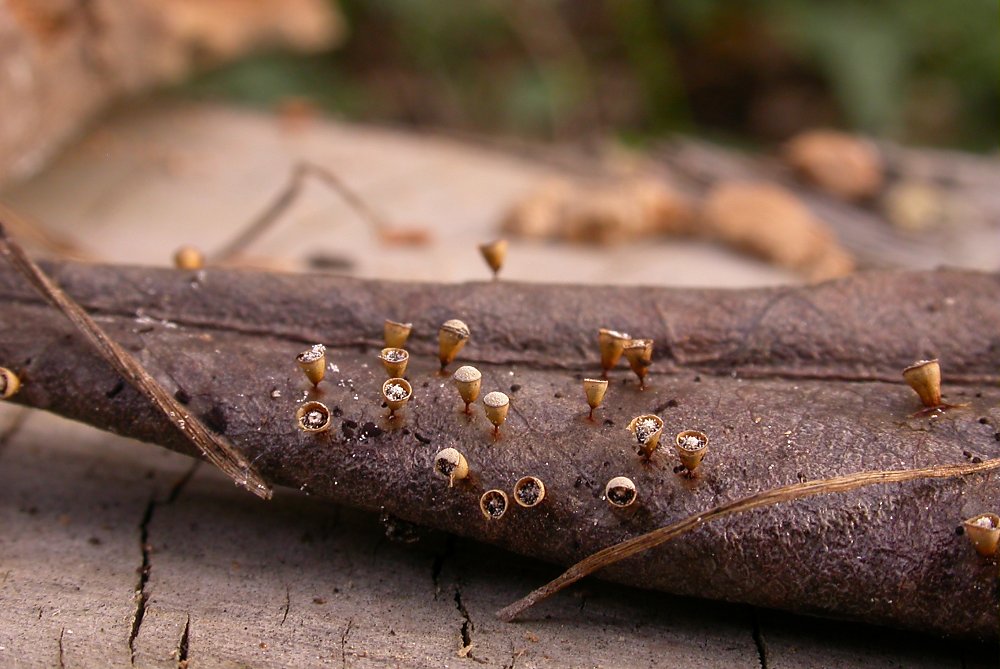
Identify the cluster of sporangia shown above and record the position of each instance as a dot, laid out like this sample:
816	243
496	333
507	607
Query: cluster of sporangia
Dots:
924	377
529	491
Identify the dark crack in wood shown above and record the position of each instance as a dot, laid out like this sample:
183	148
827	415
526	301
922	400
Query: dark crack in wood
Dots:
146	565
758	638
287	606
178	486
141	596
467	628
183	646
343	642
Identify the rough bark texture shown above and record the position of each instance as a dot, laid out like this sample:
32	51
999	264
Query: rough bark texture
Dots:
789	383
63	61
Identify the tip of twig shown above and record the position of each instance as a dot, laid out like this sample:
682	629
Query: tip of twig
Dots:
837	484
509	614
260	489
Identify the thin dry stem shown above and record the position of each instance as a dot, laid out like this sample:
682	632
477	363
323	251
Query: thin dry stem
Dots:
273	212
644	542
214	447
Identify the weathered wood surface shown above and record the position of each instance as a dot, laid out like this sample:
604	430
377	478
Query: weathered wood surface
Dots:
148	182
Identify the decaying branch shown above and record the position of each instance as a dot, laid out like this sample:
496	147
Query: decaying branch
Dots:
792	384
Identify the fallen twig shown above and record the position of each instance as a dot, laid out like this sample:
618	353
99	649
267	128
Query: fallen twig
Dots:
215	448
286	197
626	549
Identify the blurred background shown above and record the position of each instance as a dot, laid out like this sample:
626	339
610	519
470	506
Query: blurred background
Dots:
746	71
722	143
692	142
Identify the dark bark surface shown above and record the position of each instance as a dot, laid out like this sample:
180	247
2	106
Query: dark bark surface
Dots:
789	383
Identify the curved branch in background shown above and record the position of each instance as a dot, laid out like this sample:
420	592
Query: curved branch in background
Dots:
273	212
